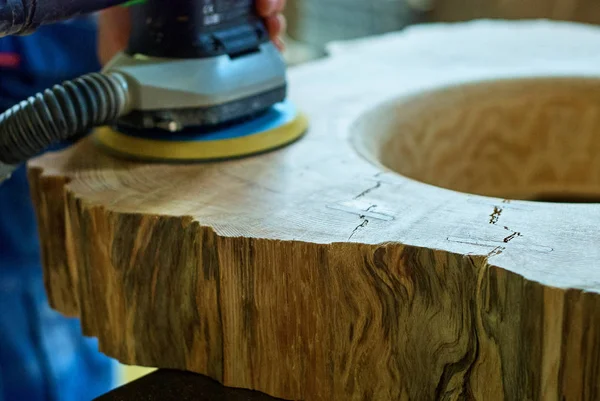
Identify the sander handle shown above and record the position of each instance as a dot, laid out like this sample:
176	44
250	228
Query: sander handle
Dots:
22	17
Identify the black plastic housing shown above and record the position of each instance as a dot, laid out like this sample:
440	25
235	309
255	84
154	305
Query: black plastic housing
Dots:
195	28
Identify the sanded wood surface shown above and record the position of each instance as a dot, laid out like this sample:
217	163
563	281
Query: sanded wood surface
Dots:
394	253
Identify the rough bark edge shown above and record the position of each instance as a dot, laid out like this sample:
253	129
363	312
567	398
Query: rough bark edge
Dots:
49	199
518	350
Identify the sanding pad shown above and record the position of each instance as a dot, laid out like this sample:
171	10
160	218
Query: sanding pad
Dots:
278	127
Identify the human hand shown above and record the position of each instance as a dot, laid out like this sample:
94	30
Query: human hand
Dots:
114	27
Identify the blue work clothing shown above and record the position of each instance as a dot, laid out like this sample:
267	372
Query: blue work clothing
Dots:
43	355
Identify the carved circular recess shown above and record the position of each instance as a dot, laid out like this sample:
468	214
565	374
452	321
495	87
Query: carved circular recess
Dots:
527	139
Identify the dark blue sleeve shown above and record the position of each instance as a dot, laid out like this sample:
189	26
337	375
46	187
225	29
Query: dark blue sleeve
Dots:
43	355
51	55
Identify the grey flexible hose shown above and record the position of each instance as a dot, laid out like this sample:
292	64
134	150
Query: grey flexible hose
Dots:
62	112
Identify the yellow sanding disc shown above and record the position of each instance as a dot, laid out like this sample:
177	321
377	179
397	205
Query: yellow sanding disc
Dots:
280	126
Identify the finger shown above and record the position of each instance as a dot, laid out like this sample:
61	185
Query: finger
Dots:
114	27
276	25
279	6
266	7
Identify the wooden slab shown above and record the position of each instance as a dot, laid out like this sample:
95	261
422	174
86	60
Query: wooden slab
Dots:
394	253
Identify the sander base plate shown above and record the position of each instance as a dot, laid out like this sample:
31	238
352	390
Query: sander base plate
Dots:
279	126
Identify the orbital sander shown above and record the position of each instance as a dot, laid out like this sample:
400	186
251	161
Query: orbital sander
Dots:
200	80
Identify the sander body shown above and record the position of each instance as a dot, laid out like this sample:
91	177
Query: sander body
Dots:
199	80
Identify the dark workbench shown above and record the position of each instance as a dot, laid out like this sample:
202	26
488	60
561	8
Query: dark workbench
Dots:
172	385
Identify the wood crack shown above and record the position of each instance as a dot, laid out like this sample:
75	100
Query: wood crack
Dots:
361	225
368	190
495	216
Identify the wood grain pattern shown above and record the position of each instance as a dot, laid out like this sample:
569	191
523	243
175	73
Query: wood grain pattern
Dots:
583	11
529	138
329	270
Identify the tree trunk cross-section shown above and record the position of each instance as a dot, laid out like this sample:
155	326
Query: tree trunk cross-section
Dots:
394	253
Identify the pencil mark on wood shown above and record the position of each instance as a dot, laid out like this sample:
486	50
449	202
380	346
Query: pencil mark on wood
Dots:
507	204
494	243
361	208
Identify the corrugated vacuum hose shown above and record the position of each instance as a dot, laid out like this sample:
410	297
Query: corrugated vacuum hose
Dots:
62	112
